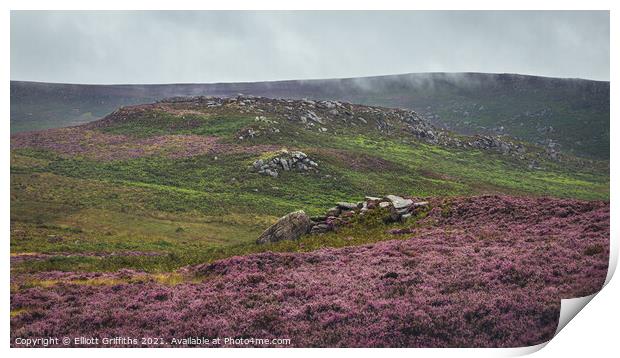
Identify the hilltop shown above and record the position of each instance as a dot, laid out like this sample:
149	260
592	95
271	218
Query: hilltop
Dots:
568	115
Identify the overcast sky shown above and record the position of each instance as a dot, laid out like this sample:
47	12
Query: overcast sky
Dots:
176	47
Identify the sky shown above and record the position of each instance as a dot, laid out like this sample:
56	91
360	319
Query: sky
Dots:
108	47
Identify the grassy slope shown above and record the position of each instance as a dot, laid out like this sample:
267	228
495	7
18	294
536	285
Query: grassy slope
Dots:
201	208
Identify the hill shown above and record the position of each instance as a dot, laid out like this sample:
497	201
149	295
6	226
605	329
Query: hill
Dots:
198	164
571	115
150	216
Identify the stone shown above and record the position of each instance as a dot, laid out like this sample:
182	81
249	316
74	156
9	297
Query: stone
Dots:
372	198
335	211
286	161
284	164
258	164
347	214
320	229
405	217
393	216
403	210
420	204
384	204
347	206
318	218
399	202
289	227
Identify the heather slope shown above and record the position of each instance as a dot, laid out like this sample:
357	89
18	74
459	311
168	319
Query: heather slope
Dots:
476	272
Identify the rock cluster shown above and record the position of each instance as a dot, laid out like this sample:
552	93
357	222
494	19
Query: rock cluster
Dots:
396	209
333	116
293	225
286	161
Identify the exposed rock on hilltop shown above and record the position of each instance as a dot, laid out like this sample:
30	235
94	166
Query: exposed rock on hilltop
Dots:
179	123
329	116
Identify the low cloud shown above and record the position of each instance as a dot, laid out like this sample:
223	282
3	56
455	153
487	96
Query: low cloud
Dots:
220	46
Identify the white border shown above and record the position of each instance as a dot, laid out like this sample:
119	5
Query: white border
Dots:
594	330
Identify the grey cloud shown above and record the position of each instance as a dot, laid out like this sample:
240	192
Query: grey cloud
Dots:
217	46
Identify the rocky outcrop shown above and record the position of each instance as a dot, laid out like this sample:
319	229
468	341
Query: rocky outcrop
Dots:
285	161
289	227
332	116
394	209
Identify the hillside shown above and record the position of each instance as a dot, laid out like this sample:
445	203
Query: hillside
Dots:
570	115
497	281
153	218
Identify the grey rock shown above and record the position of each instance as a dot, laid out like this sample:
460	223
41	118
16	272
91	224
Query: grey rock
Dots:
284	164
347	206
272	173
420	203
393	216
320	229
399	202
289	227
335	211
405	217
258	164
403	210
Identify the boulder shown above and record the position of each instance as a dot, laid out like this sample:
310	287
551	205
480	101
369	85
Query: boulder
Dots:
335	211
289	227
399	202
347	206
284	164
320	229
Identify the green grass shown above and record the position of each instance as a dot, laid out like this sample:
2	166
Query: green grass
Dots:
199	209
363	231
153	123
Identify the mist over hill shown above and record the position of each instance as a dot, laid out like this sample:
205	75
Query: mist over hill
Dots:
571	115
